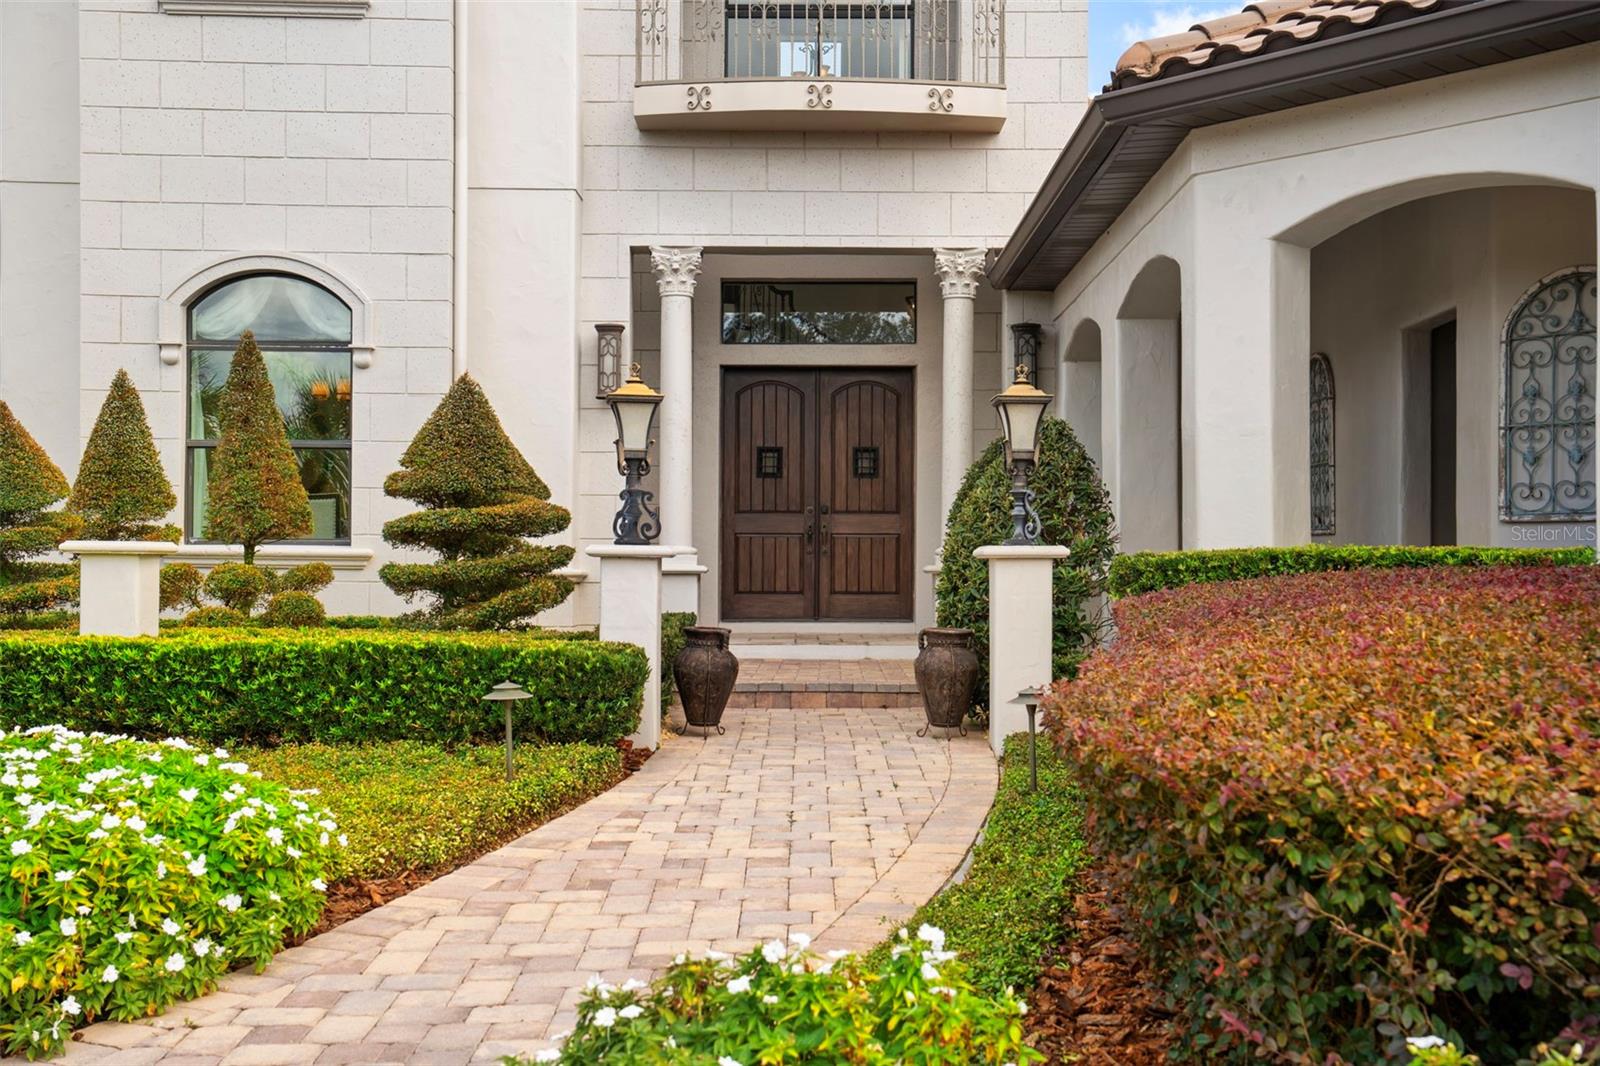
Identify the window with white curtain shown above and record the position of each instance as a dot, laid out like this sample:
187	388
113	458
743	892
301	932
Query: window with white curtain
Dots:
303	331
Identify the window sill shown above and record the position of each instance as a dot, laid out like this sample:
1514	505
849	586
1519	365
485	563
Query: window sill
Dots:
326	9
338	556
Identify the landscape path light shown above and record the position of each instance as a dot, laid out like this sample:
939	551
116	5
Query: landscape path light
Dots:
508	693
1021	409
1029	698
634	407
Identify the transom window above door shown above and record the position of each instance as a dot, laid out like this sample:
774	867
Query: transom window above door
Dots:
819	312
304	332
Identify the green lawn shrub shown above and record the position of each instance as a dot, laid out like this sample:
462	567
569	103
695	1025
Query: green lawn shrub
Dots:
30	486
181	585
1152	571
1074	510
267	686
1006	912
293	609
136	874
781	1004
410	806
1358	807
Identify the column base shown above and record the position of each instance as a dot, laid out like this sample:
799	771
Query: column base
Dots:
120	586
680	582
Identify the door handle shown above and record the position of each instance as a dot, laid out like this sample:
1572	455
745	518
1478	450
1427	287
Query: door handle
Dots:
824	548
810	528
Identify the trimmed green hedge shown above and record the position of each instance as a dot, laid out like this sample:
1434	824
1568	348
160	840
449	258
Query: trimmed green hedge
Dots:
270	686
1153	571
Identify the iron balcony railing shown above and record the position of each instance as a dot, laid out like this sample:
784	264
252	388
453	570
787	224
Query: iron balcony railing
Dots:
958	41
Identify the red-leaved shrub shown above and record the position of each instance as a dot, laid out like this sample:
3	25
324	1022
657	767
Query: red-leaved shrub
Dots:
1356	806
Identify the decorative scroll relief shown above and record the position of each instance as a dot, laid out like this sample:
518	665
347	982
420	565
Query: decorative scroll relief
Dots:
699	98
941	100
960	270
819	96
1547	428
1322	470
675	269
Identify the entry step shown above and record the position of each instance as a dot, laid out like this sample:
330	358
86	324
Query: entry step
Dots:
824	645
815	683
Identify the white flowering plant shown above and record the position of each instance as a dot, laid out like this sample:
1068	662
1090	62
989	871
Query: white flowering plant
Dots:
783	1003
137	873
1436	1051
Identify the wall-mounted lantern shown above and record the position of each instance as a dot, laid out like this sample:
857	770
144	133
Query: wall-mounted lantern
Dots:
609	376
1026	339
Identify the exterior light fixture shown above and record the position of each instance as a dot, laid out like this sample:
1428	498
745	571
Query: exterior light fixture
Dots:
1021	410
634	407
1029	698
1026	339
608	376
508	693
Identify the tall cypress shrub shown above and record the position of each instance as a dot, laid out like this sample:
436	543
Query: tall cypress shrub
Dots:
122	493
29	485
1074	510
256	493
480	499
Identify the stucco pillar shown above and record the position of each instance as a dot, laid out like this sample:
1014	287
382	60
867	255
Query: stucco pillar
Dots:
120	586
1019	630
676	270
960	270
630	613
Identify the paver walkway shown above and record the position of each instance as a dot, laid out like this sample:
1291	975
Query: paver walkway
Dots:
831	822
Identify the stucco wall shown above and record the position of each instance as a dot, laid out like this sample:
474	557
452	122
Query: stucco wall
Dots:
1468	255
1240	206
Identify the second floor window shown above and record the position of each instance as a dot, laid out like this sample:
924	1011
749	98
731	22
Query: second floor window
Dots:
827	40
304	332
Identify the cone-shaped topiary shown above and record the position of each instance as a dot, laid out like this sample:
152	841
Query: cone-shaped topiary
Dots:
256	492
482	498
30	483
1074	510
121	491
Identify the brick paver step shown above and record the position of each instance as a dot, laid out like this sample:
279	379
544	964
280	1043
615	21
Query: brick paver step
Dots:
813	684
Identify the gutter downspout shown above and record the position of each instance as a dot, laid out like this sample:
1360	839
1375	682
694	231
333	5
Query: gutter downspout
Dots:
458	242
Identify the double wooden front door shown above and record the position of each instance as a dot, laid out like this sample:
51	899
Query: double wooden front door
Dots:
817	494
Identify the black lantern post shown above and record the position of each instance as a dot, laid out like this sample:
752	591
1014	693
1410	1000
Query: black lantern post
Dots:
634	407
1026	337
1021	410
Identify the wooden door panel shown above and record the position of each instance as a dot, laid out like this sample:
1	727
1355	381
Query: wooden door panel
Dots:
865	493
769	485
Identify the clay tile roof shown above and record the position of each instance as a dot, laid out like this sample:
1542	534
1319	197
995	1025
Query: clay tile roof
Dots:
1264	26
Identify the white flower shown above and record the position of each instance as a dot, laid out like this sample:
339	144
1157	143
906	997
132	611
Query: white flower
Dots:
319	884
70	1006
22	939
202	759
83	909
549	1054
932	935
174	962
170	927
197	868
202	948
69	927
161	870
605	1017
739	984
1425	1041
20	847
773	950
30	780
801	940
124	937
929	973
344	841
110	821
630	1012
769	1000
136	823
188	795
729	1060
231	902
63	876
275	835
98	834
110	974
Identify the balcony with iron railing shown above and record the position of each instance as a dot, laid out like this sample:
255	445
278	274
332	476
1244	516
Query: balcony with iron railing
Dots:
908	65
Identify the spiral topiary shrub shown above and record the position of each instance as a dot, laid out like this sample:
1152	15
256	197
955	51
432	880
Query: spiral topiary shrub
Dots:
1074	510
122	492
29	485
293	609
481	499
137	874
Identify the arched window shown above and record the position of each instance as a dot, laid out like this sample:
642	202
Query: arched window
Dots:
1322	483
304	332
1547	432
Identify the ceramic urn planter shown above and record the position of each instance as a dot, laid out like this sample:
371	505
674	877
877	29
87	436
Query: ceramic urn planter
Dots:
705	671
947	676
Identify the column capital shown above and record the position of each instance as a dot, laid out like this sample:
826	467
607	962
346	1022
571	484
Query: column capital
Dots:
675	269
959	270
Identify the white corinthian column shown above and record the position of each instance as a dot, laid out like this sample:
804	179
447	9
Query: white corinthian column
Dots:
960	270
676	270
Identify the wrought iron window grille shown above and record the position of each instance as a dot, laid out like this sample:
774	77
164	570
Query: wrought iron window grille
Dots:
769	462
1323	498
864	462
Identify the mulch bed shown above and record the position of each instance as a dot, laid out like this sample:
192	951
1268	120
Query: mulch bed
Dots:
351	899
1099	1004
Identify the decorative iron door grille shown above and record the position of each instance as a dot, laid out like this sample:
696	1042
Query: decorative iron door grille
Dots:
1322	474
1547	432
